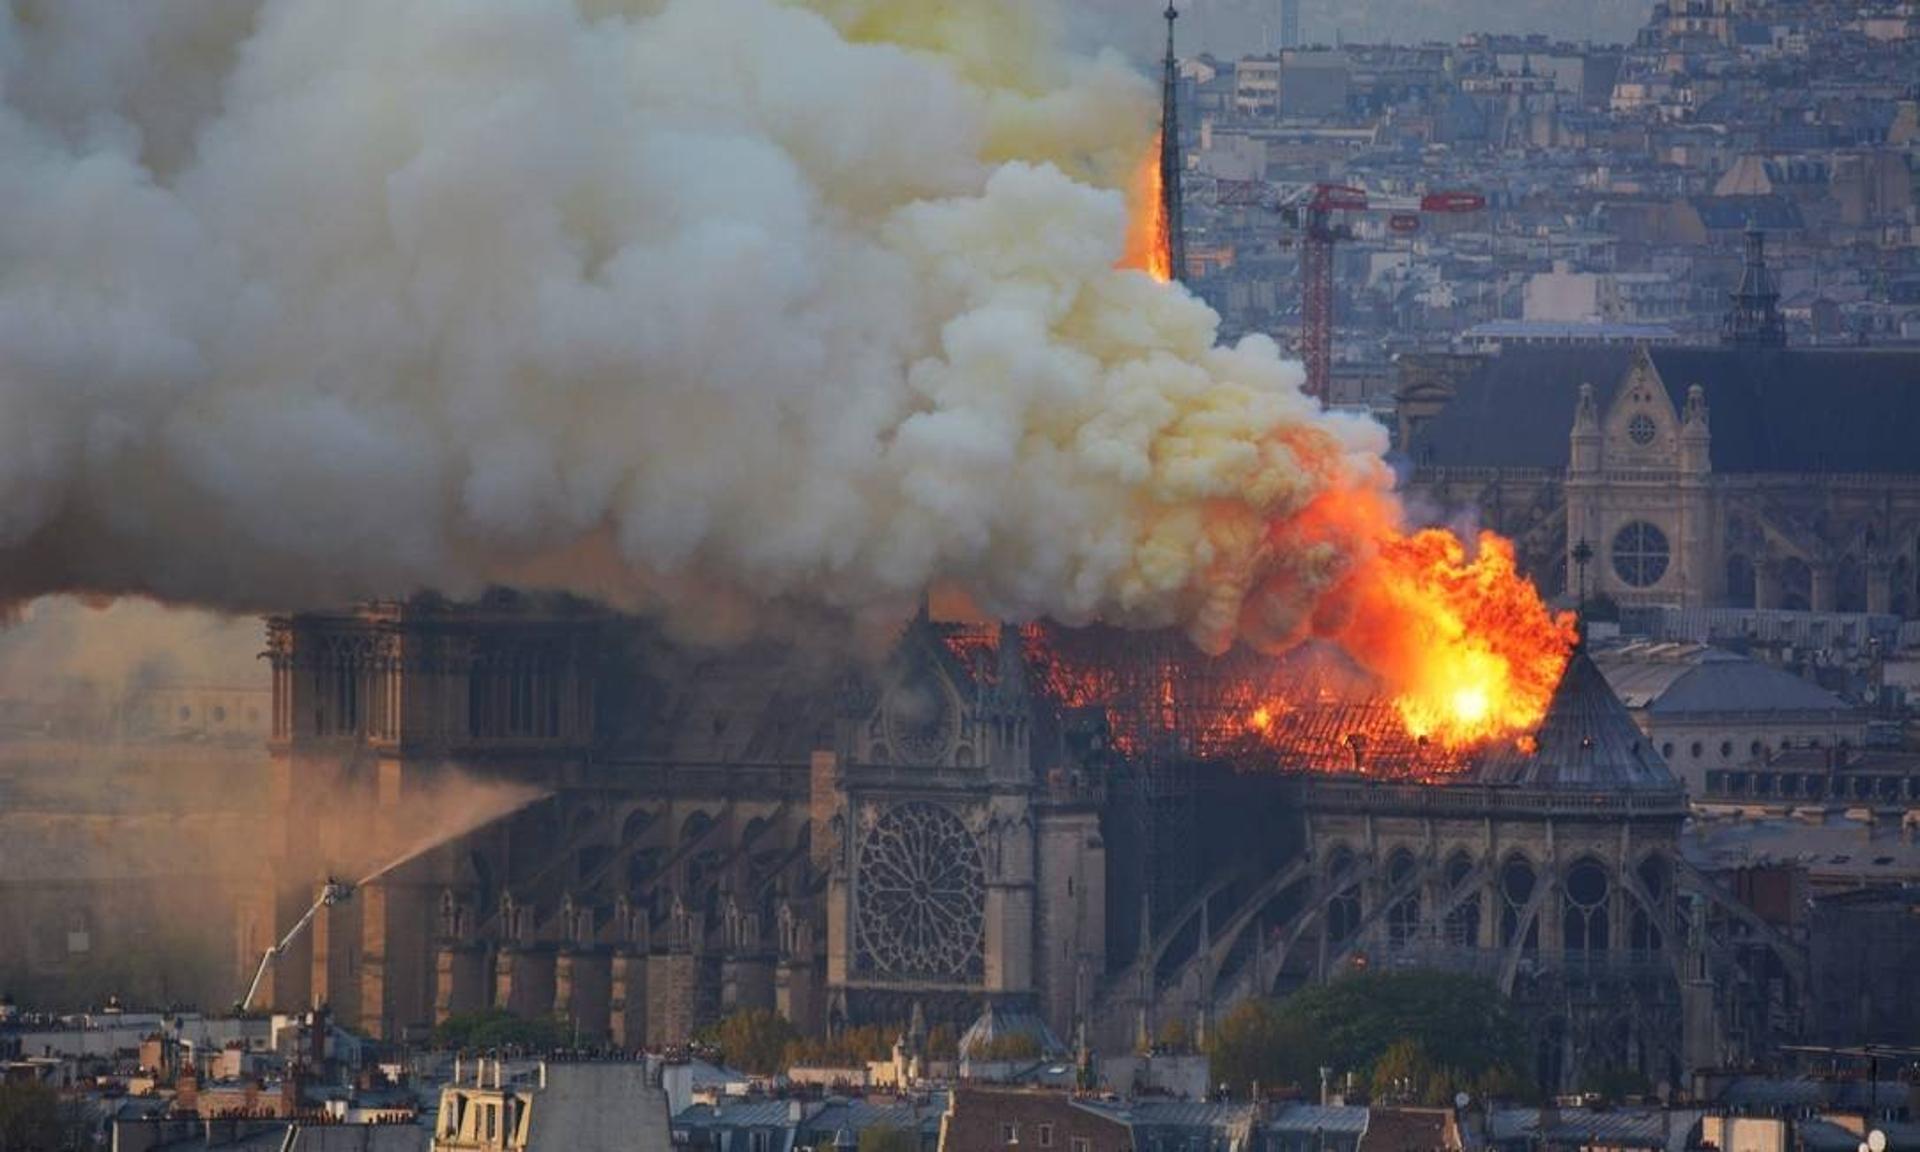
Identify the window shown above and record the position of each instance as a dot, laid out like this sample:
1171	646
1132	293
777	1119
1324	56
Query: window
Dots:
1726	749
1046	1135
757	1141
1697	749
1641	429
1640	554
1666	750
1082	1144
1009	1133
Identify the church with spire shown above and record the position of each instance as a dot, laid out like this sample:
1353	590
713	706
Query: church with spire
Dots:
1747	474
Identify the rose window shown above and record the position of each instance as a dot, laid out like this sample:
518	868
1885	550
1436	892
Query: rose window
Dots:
922	895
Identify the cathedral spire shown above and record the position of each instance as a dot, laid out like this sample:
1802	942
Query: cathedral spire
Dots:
1170	201
1753	318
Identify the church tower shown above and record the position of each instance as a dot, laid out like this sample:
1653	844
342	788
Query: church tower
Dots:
1753	320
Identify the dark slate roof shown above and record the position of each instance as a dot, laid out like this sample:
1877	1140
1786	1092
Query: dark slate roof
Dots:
363	1138
1738	213
1000	1023
1319	1118
1690	679
1791	410
1586	743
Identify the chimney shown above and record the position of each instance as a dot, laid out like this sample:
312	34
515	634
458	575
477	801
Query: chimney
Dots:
186	1090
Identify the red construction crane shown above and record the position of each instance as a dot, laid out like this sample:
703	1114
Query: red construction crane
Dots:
1311	209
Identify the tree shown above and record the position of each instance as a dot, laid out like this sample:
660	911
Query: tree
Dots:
1612	1084
1457	1028
1405	1074
756	1040
30	1119
888	1138
499	1028
853	1048
1257	1043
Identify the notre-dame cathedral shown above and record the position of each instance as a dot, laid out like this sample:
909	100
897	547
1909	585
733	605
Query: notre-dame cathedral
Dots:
942	831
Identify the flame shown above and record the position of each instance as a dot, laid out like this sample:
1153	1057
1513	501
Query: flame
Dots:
1469	650
1147	219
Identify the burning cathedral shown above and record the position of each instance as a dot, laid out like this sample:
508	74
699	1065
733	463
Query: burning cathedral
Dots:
1101	834
1089	829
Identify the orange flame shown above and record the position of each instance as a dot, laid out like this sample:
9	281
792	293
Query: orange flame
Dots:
1147	219
1470	650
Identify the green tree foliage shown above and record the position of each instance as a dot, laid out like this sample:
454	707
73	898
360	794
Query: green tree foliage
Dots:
853	1048
1613	1084
1447	1031
31	1118
1405	1074
756	1040
499	1028
887	1138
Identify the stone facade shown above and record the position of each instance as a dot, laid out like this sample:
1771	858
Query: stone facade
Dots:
904	843
1697	478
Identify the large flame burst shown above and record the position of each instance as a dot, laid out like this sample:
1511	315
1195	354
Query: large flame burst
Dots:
1461	642
1468	650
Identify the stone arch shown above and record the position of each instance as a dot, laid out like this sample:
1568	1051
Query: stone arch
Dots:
1850	585
1585	911
1344	909
1518	884
590	860
1646	927
1742	584
1795	580
635	823
1461	924
1403	916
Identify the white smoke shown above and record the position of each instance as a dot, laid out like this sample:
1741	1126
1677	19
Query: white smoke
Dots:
701	305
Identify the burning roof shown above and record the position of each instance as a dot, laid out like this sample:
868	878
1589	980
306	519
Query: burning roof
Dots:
1312	710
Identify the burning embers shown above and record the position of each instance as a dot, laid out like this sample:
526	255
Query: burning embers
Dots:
1310	709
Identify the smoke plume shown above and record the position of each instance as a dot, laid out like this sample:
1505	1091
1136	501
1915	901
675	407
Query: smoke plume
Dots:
699	306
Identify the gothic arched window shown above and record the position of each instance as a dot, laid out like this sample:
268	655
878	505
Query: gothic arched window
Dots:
1584	922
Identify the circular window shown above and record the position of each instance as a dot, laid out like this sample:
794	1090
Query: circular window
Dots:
1697	749
1666	750
1641	429
1640	554
1726	748
921	884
